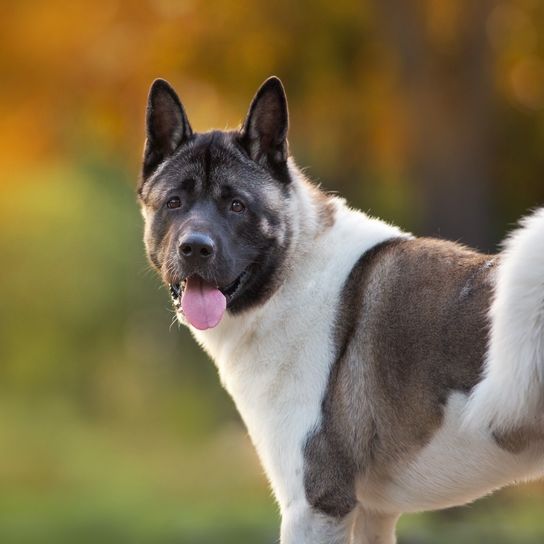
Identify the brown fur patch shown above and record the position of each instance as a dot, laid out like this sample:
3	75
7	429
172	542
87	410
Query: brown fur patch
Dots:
520	439
326	209
411	328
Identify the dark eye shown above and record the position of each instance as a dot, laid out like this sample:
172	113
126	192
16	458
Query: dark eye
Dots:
173	203
237	206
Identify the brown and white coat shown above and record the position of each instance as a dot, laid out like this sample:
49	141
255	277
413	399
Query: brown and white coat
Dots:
380	373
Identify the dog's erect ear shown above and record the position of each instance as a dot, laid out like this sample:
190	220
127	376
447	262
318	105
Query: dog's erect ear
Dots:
264	133
167	126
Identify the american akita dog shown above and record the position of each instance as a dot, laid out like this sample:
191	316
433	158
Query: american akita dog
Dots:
377	373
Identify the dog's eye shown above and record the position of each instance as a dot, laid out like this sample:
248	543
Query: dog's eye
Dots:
237	206
173	203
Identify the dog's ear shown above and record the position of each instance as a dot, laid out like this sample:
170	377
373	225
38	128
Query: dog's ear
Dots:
167	126
264	132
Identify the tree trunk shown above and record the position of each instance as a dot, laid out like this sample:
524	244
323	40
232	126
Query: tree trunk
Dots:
447	89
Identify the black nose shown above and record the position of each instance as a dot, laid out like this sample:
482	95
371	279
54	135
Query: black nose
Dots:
196	247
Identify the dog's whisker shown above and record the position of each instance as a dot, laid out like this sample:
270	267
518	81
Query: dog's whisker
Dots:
174	320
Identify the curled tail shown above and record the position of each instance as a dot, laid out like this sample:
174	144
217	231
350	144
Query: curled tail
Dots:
511	393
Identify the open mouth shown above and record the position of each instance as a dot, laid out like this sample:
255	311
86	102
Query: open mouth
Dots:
229	291
203	303
233	288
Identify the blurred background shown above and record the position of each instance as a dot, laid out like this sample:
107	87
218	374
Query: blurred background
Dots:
113	425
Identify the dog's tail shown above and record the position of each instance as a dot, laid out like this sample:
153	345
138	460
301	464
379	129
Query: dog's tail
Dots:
511	394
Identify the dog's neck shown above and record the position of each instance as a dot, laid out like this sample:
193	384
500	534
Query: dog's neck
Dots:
315	211
326	236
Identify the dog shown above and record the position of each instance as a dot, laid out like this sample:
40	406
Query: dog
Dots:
377	373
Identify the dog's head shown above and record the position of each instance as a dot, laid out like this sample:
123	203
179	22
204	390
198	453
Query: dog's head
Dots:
214	203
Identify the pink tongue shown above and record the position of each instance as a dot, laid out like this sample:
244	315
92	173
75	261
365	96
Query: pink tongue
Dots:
203	304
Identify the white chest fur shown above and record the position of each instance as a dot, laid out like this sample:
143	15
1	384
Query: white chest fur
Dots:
275	360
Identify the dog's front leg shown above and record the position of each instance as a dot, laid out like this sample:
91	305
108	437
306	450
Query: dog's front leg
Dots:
301	524
374	528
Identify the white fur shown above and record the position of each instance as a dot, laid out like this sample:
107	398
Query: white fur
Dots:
512	392
301	524
275	360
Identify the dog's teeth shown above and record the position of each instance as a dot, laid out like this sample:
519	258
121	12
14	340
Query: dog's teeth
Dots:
175	291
